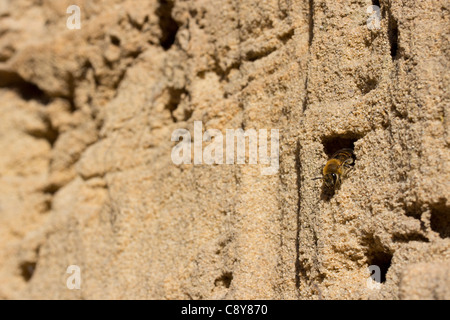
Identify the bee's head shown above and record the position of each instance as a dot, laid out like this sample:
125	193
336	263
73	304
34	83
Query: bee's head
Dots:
331	180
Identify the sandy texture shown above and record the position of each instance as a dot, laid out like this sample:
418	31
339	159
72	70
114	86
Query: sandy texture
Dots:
86	176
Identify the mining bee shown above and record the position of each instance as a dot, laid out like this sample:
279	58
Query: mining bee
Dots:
337	168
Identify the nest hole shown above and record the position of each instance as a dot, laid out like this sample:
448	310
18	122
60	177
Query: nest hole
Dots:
383	261
379	256
167	24
224	280
27	269
393	36
440	221
333	144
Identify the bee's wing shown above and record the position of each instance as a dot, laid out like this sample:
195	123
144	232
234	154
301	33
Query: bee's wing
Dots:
347	166
347	162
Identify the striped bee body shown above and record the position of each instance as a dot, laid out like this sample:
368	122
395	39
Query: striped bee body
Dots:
337	168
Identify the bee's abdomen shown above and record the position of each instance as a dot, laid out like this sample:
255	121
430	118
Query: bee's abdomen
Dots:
343	155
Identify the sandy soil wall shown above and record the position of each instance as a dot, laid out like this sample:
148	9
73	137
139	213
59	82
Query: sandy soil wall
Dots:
87	177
